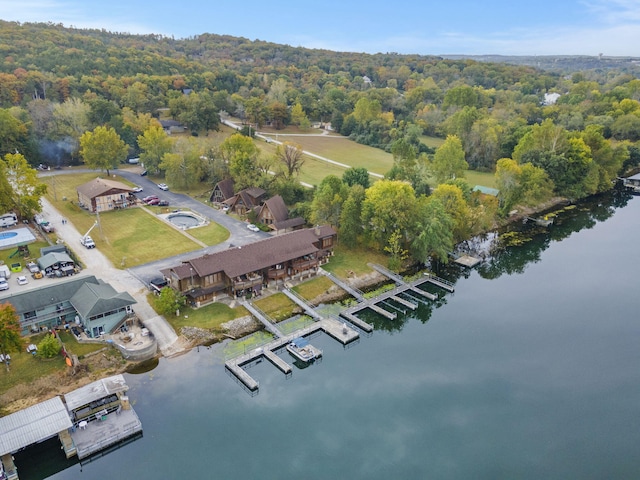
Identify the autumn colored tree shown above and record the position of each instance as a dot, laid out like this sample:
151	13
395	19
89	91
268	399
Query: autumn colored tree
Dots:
10	338
242	156
103	148
389	205
26	188
154	143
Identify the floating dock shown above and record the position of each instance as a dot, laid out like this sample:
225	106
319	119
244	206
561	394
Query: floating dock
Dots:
87	420
339	331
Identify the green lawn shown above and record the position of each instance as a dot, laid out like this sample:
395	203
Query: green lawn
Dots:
314	287
278	306
34	250
25	367
347	263
207	317
127	237
480	178
211	234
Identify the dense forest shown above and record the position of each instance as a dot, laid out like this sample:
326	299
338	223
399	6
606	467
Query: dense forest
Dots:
71	96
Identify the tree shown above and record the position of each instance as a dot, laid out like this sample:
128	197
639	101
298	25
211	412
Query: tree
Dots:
184	166
609	160
356	176
351	216
328	200
389	205
49	347
26	188
298	116
13	133
170	302
242	156
434	231
290	156
395	249
10	338
456	207
155	143
6	191
448	161
71	120
523	184
102	148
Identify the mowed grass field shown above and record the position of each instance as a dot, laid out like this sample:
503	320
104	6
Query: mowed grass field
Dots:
127	237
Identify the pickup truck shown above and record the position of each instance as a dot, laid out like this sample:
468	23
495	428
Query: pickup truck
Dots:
87	241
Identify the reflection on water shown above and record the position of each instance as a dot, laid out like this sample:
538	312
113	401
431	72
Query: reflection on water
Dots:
530	375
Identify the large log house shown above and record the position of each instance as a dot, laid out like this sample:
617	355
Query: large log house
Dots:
246	270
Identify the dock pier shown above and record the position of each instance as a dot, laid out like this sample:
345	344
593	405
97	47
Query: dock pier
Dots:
339	331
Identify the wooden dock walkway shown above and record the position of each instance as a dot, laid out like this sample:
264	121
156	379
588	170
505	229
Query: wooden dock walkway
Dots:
354	292
298	300
332	327
439	282
262	317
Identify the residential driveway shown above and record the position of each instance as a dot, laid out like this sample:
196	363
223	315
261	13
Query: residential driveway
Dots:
123	281
238	233
135	280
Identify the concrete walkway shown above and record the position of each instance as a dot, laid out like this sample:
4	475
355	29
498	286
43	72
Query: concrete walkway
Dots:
97	264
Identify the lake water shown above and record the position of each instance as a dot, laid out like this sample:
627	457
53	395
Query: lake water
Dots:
530	370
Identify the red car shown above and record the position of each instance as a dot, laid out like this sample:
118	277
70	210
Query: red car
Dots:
153	201
150	197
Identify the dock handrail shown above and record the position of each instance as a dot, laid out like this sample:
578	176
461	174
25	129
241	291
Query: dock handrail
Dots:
265	319
357	293
388	273
438	279
302	302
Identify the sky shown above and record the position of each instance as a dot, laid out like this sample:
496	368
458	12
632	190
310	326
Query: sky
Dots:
427	27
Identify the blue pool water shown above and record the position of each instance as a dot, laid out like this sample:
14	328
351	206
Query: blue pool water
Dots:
5	235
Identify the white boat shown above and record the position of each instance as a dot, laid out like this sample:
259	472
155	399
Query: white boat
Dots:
303	350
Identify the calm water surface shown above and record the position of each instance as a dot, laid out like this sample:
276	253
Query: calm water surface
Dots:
529	370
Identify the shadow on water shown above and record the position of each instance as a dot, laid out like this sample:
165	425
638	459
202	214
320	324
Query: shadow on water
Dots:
143	367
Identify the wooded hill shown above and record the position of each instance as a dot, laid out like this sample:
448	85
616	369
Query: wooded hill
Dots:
542	133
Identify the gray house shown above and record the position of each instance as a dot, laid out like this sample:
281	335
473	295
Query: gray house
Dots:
57	263
86	302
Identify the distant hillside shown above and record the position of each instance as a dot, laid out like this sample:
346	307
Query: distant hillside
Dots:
561	63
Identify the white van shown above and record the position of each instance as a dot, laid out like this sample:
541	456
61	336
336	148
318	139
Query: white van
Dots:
8	220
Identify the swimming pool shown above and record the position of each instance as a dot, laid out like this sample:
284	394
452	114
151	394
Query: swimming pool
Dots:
185	220
18	236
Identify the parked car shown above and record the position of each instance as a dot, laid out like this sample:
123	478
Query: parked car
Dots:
150	197
154	201
163	186
3	284
253	228
137	189
163	203
22	280
143	173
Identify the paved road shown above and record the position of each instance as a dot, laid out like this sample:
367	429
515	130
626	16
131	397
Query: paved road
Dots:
97	264
238	233
136	279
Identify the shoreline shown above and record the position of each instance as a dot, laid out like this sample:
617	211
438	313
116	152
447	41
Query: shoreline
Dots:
24	395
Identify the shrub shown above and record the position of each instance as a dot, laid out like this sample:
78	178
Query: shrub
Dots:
49	347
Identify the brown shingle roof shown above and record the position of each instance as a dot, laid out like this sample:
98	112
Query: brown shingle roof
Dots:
101	186
254	256
277	208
